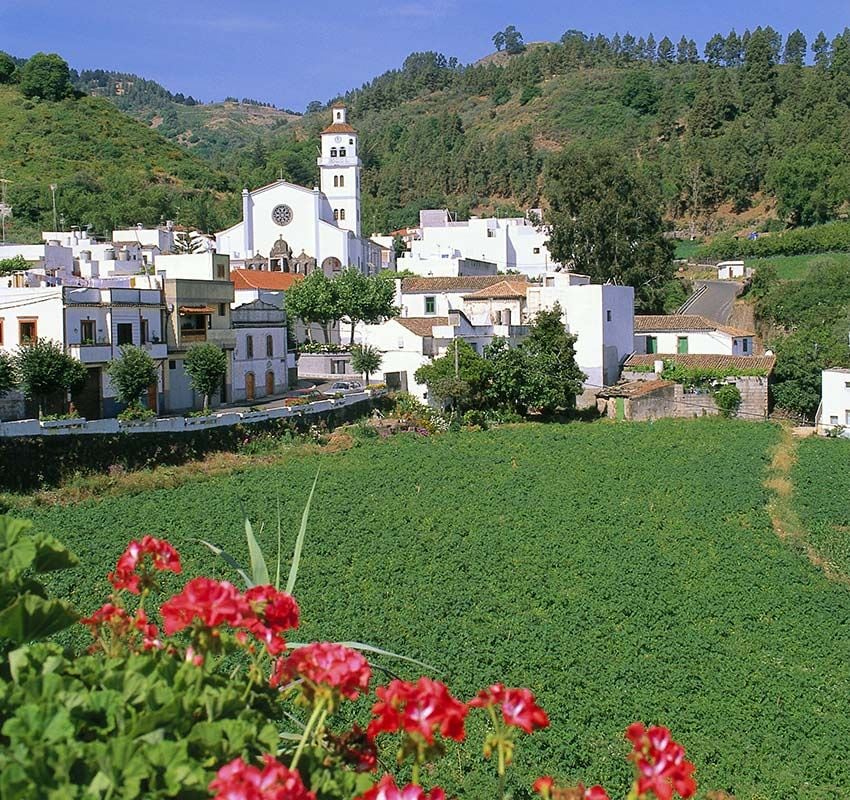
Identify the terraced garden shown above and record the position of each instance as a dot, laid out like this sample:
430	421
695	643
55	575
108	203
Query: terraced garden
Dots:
622	572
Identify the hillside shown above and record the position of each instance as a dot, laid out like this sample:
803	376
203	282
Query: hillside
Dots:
109	170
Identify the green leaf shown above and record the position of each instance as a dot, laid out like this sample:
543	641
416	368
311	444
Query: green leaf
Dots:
368	648
31	617
259	570
299	541
230	560
52	555
277	569
16	552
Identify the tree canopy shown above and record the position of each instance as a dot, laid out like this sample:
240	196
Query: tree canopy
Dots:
206	366
604	219
42	368
132	374
46	75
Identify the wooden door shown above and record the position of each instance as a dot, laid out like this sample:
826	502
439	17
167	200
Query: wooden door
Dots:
152	397
249	386
270	382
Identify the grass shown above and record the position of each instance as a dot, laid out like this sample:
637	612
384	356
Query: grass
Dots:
622	572
821	480
685	248
795	268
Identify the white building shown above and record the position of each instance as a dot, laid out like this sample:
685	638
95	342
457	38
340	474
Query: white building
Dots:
48	256
152	241
446	266
407	343
91	324
834	410
729	270
512	244
601	316
689	333
320	225
436	296
260	362
207	266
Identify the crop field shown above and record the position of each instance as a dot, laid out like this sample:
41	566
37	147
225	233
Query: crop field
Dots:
822	493
795	268
622	572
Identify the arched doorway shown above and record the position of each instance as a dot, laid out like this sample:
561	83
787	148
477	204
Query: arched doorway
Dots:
331	265
249	385
270	382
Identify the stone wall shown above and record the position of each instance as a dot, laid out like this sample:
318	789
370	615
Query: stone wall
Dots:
13	406
755	394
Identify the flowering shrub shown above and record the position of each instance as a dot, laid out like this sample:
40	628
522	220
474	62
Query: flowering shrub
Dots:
155	715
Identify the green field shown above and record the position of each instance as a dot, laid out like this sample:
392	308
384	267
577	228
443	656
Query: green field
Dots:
795	268
622	572
822	492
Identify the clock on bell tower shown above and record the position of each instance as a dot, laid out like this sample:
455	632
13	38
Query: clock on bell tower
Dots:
339	168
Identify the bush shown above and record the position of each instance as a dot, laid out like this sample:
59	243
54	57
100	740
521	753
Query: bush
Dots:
136	413
834	236
728	399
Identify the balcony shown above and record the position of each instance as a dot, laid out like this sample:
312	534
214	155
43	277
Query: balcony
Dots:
91	353
157	351
193	335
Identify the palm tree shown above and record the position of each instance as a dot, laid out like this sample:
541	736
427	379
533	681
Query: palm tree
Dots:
366	359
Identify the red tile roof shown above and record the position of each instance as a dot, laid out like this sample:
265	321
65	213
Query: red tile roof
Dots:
462	283
339	127
262	279
748	364
683	322
421	326
634	388
503	290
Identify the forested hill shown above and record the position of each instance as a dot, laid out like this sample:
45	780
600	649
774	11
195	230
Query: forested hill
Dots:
109	170
740	132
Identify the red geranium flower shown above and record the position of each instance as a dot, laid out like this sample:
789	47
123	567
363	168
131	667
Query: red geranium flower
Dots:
211	602
660	762
163	557
386	789
421	708
273	613
325	664
355	747
545	786
519	707
108	614
240	781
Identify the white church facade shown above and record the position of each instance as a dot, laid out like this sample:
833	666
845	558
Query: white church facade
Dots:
290	228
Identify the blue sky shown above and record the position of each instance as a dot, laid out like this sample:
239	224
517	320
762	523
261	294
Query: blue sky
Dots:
289	53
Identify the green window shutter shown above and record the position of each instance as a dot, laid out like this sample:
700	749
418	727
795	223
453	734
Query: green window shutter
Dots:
682	345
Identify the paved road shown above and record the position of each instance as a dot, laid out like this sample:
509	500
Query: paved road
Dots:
717	300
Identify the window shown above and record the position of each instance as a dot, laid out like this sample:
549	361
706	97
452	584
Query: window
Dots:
491	234
430	305
608	315
222	309
351	141
342	152
342	213
847	417
249	344
1	331
536	251
269	346
651	344
339	114
146	331
833	420
336	213
745	345
125	333
172	364
342	180
27	330
219	271
87	331
682	345
336	180
338	366
333	152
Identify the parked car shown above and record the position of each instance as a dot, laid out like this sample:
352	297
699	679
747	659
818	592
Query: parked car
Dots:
346	387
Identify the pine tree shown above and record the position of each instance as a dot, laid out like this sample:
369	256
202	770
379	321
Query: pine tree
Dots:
795	48
821	51
666	51
651	47
682	51
733	50
715	50
758	77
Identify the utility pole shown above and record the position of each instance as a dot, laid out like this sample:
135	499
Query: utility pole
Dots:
53	195
5	209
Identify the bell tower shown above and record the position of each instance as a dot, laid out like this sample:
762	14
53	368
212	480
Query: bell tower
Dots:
339	167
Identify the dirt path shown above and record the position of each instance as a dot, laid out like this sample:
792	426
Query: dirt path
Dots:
784	518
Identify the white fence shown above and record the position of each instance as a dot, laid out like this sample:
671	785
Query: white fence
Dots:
73	427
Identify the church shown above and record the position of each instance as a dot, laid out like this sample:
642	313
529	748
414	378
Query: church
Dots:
289	228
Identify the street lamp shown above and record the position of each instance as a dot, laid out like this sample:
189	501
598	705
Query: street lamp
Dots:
53	195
